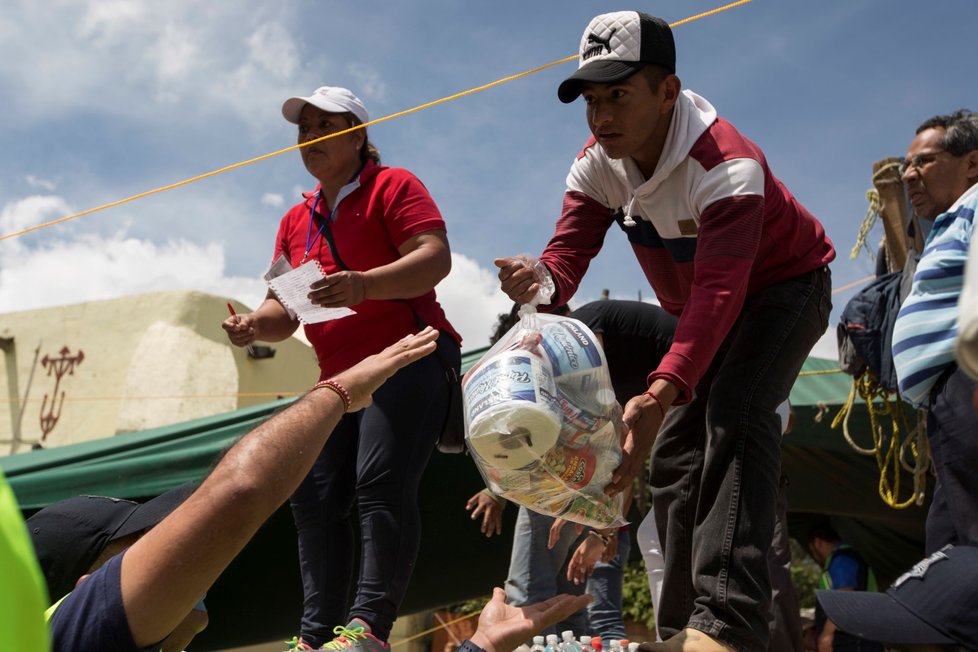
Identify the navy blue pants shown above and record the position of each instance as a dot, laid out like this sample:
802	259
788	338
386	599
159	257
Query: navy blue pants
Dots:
375	458
952	430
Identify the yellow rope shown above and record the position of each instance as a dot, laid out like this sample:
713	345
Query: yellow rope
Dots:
339	133
885	168
181	397
849	286
434	629
880	403
819	372
872	214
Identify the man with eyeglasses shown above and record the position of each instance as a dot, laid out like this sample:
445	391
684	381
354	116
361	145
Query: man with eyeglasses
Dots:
941	176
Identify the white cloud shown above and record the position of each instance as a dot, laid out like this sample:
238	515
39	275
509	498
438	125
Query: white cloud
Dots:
271	48
94	267
370	84
827	346
472	300
42	184
272	199
105	267
104	21
30	211
176	52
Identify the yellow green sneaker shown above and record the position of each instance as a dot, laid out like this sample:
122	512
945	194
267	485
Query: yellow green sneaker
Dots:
355	637
297	644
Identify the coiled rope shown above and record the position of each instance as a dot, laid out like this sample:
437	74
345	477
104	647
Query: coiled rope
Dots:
890	461
872	214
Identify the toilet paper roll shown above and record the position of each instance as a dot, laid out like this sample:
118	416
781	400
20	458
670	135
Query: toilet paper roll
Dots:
578	364
514	436
571	347
511	410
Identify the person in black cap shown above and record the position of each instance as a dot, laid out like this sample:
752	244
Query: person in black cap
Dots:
743	265
933	606
75	537
70	536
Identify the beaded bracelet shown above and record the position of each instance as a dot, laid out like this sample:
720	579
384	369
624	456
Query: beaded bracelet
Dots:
662	410
605	538
338	389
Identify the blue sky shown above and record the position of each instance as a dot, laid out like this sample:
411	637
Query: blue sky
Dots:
105	99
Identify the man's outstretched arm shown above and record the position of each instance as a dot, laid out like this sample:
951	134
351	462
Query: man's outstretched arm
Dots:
166	572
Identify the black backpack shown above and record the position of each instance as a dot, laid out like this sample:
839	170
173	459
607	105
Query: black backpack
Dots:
865	331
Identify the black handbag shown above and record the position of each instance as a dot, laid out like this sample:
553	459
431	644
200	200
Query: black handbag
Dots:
451	438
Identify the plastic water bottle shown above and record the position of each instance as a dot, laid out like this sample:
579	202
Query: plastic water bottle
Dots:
615	645
553	644
596	644
586	643
632	646
569	644
522	648
537	644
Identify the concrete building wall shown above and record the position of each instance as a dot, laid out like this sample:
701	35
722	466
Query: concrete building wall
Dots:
130	364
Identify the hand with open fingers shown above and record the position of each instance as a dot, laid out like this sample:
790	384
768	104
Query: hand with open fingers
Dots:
362	379
503	627
490	508
581	564
338	290
517	278
240	329
643	417
556	528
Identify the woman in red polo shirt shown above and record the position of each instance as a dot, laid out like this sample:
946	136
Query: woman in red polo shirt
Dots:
388	252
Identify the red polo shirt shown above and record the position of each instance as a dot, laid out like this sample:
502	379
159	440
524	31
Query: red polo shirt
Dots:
389	207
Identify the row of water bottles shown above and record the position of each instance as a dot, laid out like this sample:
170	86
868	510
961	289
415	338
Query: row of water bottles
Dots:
567	643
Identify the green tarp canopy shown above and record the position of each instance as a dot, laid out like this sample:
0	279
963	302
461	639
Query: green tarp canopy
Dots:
259	597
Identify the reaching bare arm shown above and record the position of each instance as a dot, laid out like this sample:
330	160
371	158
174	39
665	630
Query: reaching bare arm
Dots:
166	572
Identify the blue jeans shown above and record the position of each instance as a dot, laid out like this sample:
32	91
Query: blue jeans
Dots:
537	574
716	467
375	457
604	586
952	430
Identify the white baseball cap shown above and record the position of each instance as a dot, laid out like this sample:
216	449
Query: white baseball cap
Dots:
333	99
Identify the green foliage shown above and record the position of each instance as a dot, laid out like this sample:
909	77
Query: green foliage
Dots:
804	575
470	606
636	600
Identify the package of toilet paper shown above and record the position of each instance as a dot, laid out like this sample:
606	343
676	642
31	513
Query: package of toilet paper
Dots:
542	422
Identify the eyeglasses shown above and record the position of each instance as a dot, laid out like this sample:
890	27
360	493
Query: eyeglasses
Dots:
918	162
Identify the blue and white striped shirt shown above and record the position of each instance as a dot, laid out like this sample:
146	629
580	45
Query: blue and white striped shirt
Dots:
927	324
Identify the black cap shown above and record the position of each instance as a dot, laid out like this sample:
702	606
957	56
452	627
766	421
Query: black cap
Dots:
617	45
931	604
69	535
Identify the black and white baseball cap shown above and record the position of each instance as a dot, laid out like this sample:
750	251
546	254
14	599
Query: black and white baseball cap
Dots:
934	603
333	99
615	46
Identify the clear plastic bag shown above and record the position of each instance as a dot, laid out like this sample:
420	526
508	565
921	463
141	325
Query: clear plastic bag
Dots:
542	422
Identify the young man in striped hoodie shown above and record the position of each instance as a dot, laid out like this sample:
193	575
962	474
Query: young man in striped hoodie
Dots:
743	265
941	176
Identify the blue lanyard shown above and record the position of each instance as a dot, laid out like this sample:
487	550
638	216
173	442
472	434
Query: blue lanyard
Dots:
310	241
